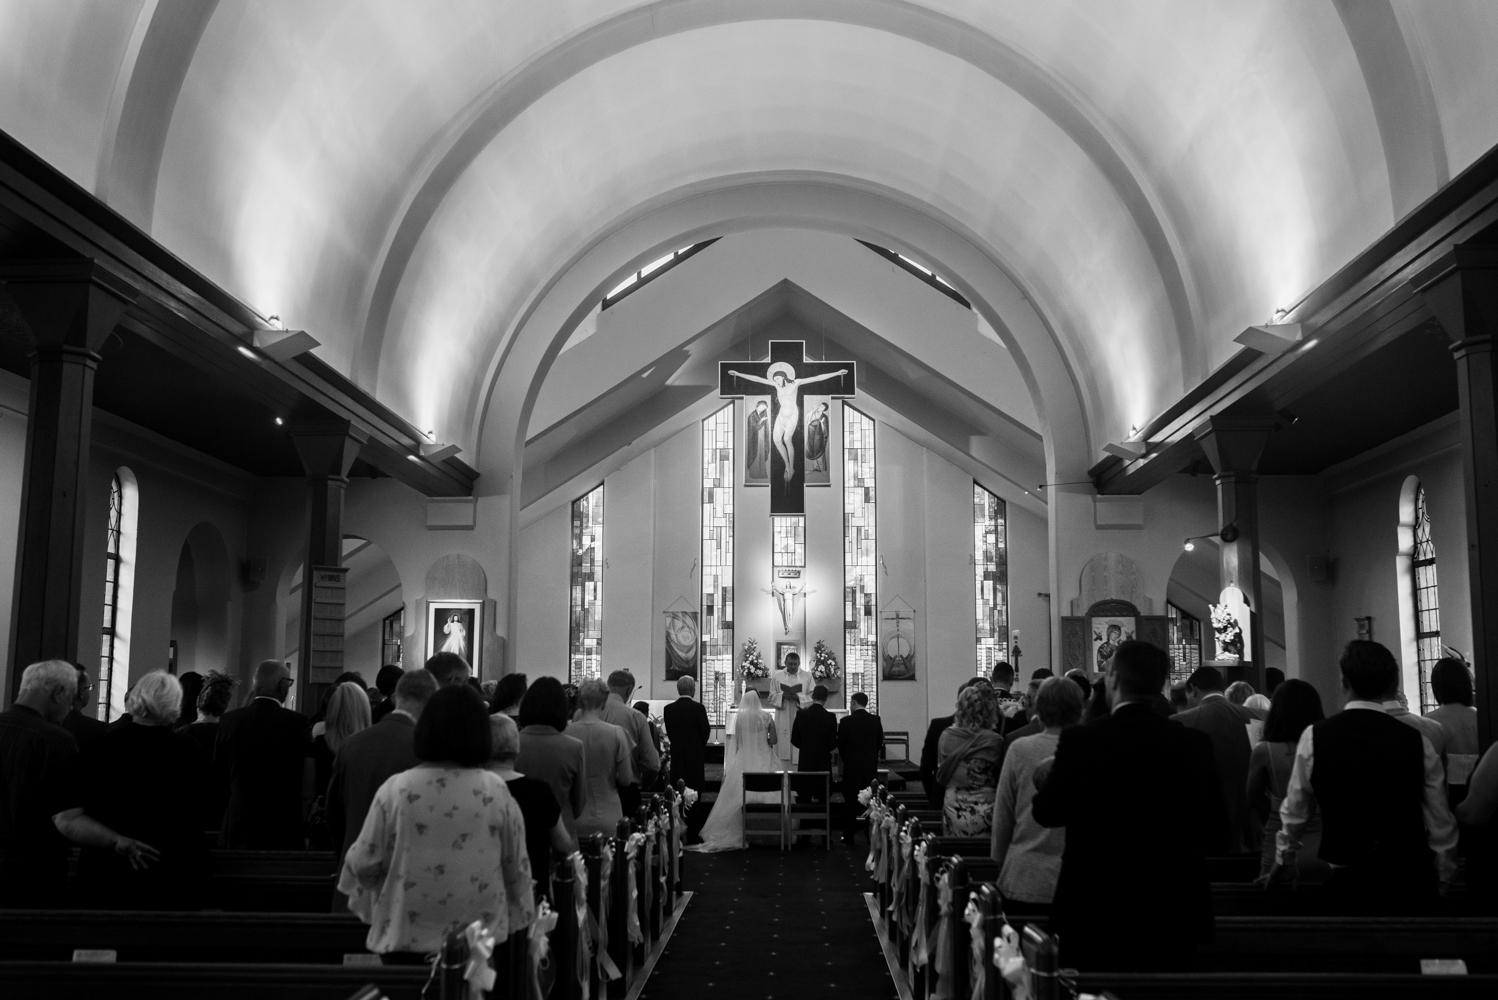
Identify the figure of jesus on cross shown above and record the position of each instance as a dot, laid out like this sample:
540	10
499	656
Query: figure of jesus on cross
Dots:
786	375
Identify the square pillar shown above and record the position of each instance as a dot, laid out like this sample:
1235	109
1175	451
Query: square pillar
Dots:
68	308
1461	288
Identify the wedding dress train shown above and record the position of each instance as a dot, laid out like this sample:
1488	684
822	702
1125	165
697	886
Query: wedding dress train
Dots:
749	750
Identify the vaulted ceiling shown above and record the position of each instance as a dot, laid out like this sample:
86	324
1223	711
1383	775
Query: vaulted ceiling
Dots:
1119	187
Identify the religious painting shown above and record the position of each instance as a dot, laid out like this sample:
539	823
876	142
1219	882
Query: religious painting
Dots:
897	645
456	627
781	381
757	442
1107	634
816	431
783	650
683	643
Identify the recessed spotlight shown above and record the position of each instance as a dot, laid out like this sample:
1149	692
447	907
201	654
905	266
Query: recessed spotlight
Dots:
413	458
1310	344
279	421
248	353
1190	545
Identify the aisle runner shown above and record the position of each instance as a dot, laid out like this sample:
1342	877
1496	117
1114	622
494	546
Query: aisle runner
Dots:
765	923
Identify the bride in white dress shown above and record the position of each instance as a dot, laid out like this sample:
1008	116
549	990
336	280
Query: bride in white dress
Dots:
751	749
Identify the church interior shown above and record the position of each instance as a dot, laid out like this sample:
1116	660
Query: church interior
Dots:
894	338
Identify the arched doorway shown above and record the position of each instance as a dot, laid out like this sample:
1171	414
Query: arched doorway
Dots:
200	603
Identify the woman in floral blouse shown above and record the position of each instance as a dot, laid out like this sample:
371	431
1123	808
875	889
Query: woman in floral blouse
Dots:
444	843
967	763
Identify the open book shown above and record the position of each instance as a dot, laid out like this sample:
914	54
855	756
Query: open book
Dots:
791	690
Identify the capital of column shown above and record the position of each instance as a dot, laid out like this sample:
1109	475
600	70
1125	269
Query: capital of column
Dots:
1233	443
67	303
1461	288
327	450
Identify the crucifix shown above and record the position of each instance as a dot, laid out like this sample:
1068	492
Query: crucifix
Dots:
784	378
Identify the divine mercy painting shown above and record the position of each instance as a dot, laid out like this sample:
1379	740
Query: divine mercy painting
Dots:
455	627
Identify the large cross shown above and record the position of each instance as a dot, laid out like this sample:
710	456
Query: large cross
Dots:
787	377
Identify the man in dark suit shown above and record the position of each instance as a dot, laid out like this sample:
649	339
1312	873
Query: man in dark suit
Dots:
1226	725
860	741
1379	787
371	755
688	729
259	754
935	792
84	729
814	733
1140	803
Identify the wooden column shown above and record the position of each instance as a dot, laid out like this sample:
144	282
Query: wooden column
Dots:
68	309
327	451
1233	445
1461	288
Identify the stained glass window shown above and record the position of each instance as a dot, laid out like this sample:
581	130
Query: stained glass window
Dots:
991	575
1427	602
1185	643
112	569
716	660
860	559
586	631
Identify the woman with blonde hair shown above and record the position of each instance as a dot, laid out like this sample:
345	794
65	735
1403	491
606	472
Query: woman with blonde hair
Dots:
967	763
346	712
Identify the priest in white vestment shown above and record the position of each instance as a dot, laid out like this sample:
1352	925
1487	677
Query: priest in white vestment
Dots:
790	691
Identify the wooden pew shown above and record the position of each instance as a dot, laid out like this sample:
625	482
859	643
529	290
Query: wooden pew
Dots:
192	981
143	936
1286	986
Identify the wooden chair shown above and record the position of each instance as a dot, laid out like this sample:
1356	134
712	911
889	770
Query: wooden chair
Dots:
816	788
758	815
896	738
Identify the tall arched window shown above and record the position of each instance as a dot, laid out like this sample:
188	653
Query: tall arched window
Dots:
1427	601
119	593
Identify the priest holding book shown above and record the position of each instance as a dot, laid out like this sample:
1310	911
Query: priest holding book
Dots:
790	691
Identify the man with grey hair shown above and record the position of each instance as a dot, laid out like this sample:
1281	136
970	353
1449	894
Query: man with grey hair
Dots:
84	729
371	755
259	755
643	755
39	780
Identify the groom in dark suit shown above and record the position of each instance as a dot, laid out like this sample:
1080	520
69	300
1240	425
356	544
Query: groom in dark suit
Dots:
688	729
814	733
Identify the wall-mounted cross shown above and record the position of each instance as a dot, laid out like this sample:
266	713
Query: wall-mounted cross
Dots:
785	377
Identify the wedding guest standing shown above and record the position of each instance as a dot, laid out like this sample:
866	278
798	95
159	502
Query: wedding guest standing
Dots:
645	761
609	765
367	758
935	793
443	844
1142	808
507	695
1295	706
546	752
385	681
860	741
1387	830
1029	855
192	686
1478	813
84	729
1226	725
544	830
146	782
1451	683
967	766
259	755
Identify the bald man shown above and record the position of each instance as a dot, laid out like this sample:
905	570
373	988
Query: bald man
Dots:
259	754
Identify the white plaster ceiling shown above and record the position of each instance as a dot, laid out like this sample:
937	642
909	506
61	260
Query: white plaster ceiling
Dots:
406	180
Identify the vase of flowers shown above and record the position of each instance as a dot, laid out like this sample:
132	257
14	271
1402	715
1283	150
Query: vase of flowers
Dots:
824	668
1228	632
756	675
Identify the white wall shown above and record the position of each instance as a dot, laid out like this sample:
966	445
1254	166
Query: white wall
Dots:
541	639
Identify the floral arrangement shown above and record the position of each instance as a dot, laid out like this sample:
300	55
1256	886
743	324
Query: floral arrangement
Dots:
1229	633
865	796
823	662
689	797
754	660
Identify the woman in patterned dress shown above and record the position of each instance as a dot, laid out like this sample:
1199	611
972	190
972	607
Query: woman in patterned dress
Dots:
444	843
967	763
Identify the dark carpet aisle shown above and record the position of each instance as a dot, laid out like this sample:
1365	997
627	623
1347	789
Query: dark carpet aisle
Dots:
767	923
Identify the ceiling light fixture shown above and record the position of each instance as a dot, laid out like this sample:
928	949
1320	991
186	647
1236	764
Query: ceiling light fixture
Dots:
279	422
1272	338
1227	534
414	458
248	353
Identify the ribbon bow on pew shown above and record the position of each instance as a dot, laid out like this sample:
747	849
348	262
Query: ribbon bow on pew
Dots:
1009	959
479	972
